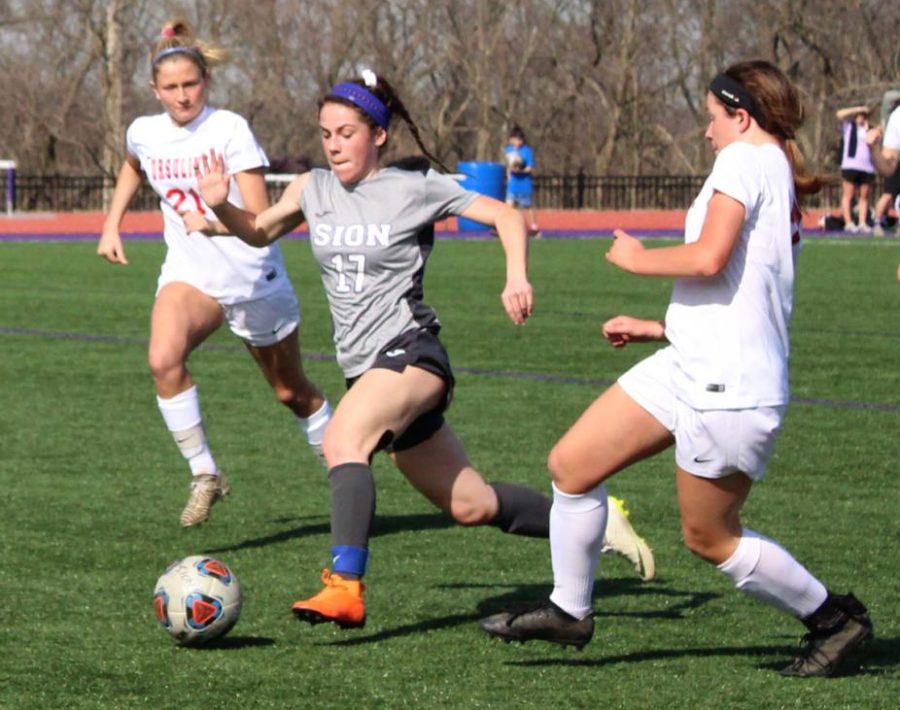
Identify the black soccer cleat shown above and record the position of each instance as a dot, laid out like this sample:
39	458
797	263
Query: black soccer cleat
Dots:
546	622
846	626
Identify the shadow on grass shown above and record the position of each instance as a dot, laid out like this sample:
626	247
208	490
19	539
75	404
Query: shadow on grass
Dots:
383	525
877	658
524	595
659	654
232	643
880	656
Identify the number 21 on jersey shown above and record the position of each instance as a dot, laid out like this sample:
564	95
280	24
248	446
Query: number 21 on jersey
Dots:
176	198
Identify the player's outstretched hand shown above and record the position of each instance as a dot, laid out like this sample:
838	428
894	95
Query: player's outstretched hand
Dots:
621	330
623	250
518	300
110	247
212	180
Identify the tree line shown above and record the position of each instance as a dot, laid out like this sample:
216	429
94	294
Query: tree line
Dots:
599	86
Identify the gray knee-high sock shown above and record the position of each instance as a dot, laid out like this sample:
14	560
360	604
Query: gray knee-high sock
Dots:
522	510
352	511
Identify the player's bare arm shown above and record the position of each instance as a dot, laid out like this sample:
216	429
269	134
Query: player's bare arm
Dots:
621	330
705	257
128	182
884	159
518	295
256	230
252	185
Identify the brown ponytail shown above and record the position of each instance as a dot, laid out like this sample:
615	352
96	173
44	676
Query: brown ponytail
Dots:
779	101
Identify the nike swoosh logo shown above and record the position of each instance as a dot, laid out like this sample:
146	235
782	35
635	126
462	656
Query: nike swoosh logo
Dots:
321	214
395	353
697	459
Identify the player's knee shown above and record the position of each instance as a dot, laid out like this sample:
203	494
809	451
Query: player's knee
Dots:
700	541
163	365
331	444
565	476
287	396
340	445
471	510
296	396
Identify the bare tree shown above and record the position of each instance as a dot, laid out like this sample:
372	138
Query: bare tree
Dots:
604	86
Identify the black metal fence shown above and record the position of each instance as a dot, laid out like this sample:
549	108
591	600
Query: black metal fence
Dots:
56	193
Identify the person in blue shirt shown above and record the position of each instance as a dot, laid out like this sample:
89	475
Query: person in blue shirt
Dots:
519	158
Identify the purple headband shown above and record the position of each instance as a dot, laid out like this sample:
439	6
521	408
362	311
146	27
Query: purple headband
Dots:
180	49
366	100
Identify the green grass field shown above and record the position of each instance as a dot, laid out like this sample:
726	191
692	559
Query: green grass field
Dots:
91	488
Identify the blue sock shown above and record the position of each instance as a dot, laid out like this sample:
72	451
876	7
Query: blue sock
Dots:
349	561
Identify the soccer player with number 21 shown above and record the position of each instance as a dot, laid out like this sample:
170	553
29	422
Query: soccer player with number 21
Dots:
208	277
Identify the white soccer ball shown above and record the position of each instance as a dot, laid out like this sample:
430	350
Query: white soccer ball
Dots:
514	160
197	599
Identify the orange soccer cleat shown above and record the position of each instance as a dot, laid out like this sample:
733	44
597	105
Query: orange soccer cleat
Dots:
340	602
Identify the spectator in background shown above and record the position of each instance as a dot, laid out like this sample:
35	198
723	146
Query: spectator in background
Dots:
519	159
857	170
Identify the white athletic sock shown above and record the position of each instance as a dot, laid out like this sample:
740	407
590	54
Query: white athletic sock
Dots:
314	425
766	571
314	428
183	419
577	526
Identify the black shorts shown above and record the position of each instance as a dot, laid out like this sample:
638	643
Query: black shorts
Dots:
858	177
420	348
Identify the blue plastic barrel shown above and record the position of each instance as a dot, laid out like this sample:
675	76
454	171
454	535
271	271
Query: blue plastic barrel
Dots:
488	179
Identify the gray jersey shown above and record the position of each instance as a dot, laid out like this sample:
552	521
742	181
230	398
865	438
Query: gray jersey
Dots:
371	241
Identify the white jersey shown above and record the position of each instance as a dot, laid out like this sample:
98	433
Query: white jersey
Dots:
222	267
892	131
730	331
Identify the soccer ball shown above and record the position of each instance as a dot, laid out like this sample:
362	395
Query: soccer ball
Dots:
514	160
197	599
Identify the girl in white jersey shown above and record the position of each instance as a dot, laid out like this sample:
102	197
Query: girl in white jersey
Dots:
884	145
719	390
371	231
205	281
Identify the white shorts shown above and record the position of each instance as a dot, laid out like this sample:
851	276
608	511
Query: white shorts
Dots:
265	321
710	443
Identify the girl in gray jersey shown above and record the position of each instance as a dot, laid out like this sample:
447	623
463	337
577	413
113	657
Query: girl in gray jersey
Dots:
371	232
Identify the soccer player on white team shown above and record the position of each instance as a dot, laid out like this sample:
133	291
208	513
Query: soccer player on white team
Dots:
208	277
718	392
371	234
885	148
